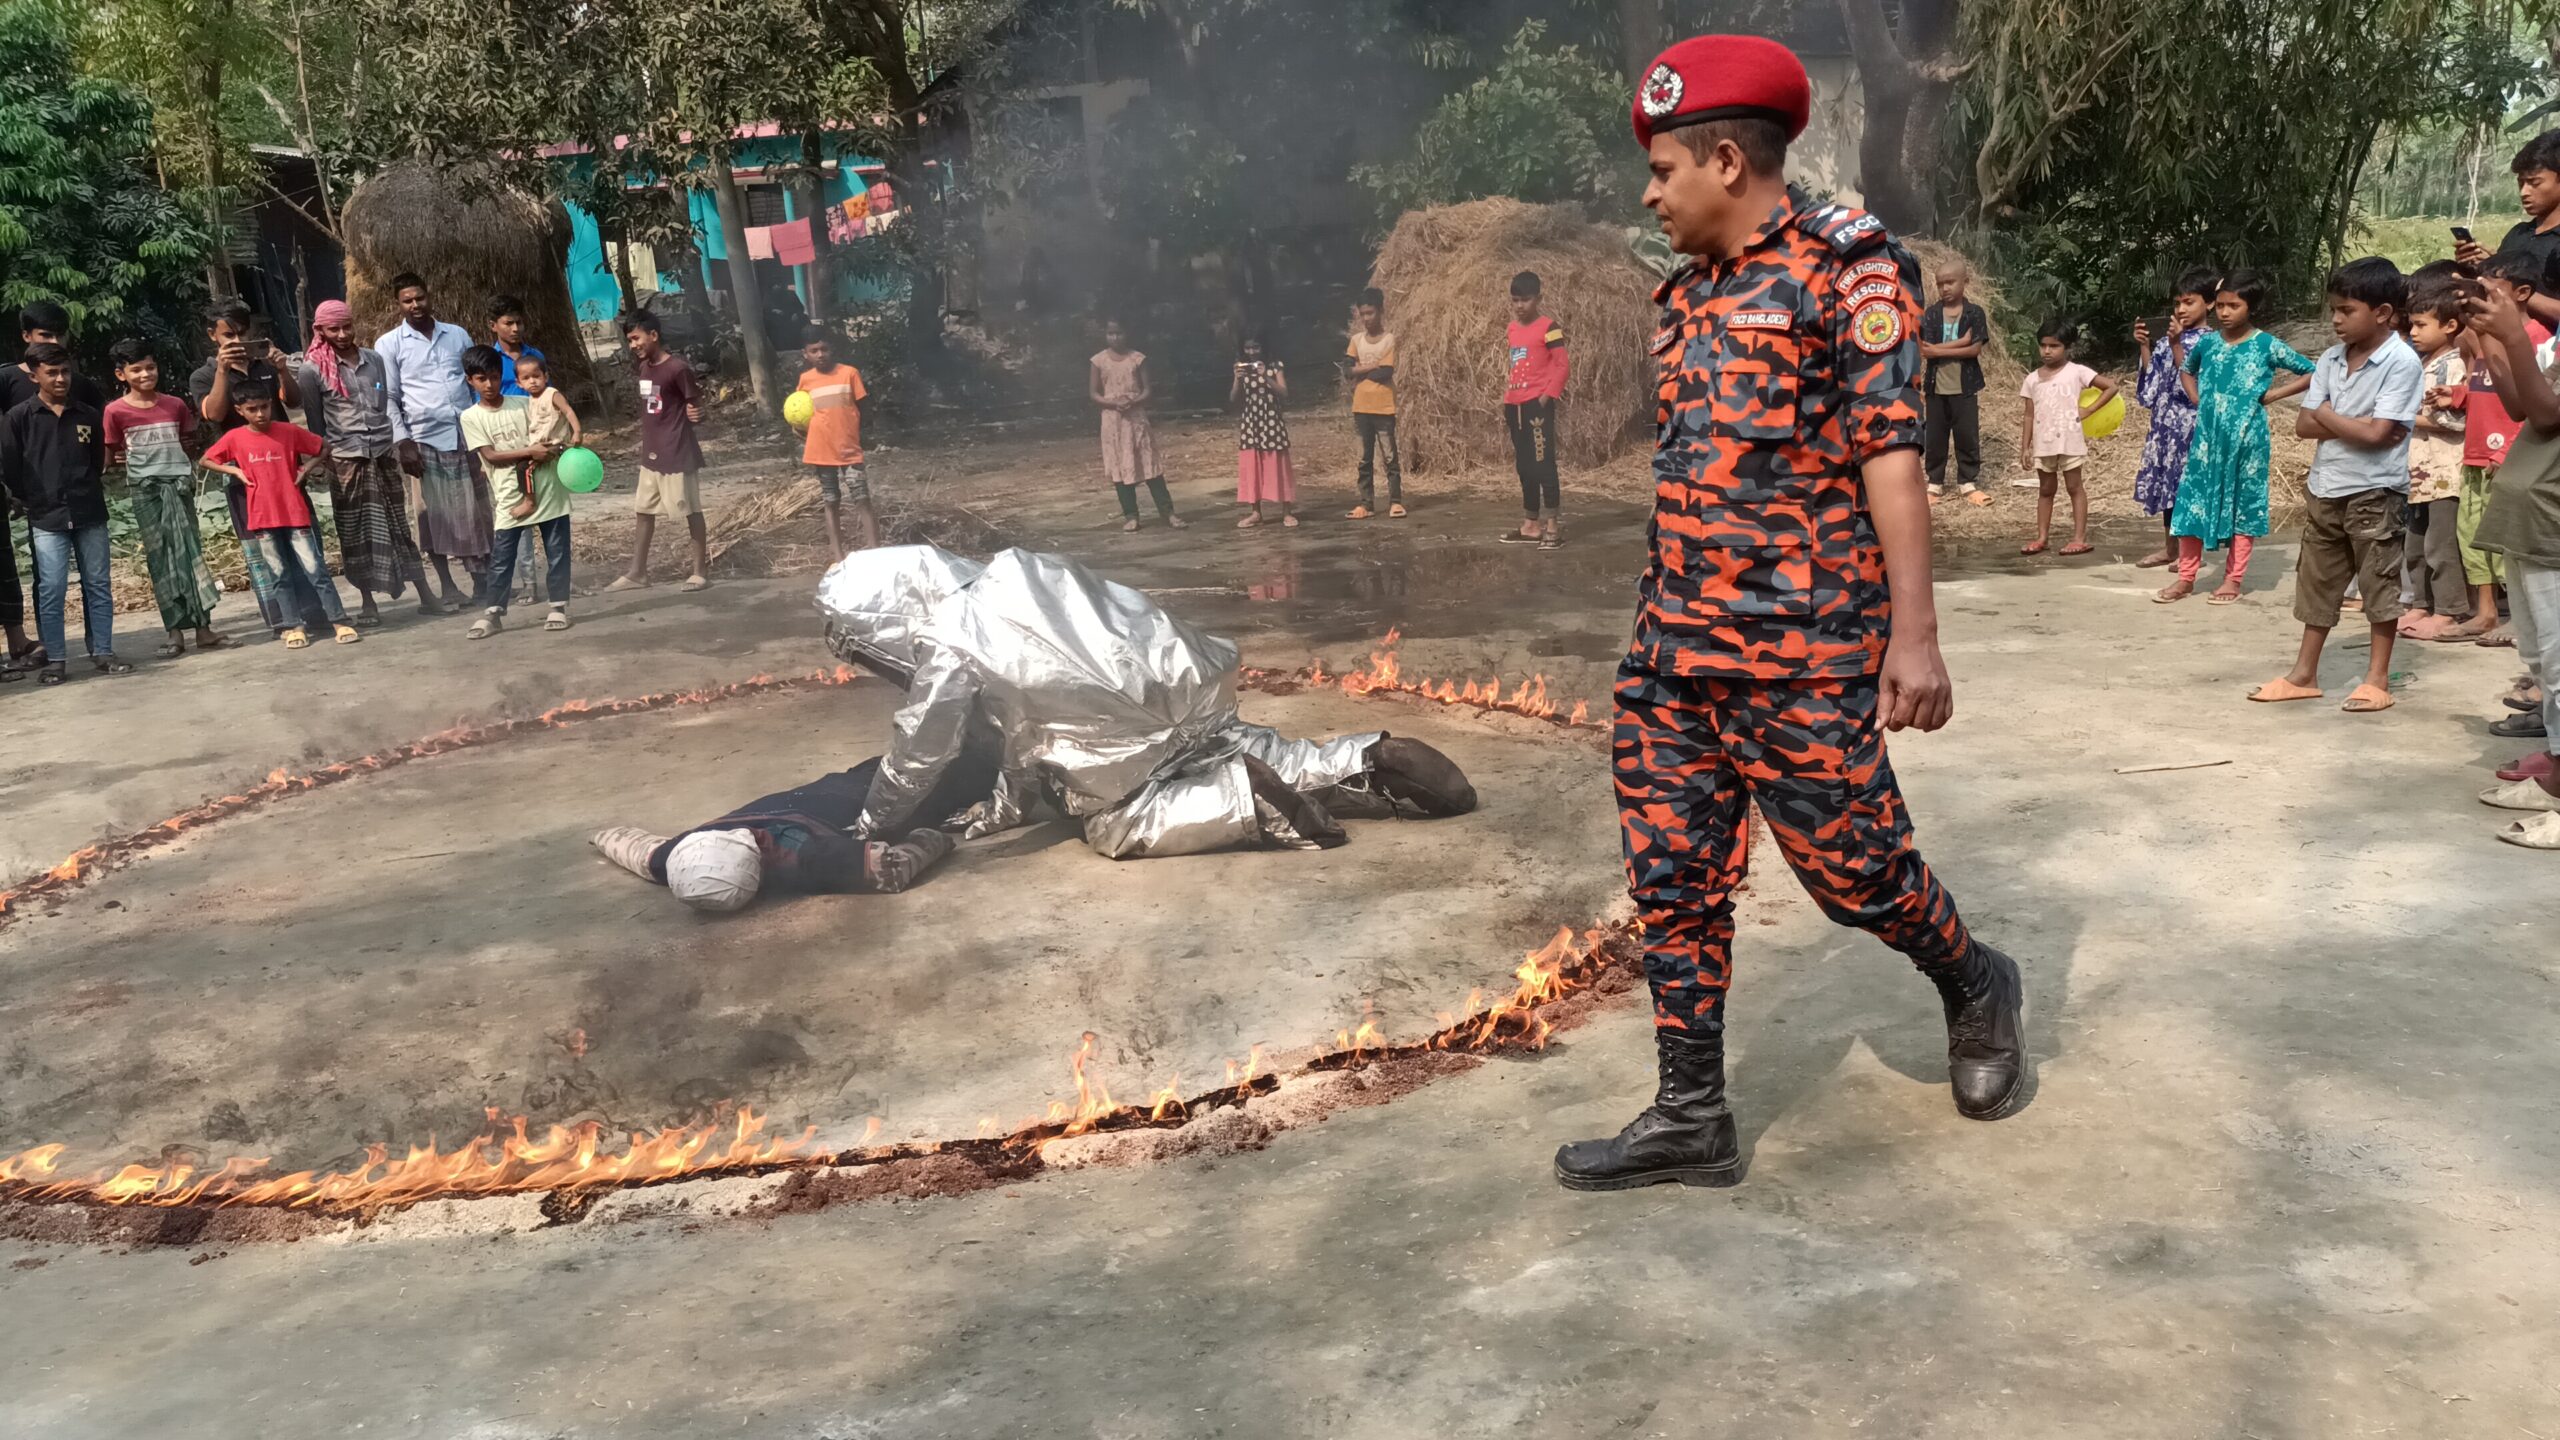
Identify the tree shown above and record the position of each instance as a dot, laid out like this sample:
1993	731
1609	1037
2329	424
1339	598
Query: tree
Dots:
1908	73
83	219
1548	124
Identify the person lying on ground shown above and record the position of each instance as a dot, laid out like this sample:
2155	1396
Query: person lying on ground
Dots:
799	841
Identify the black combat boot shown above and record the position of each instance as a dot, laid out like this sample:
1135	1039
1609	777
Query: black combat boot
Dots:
1686	1134
1986	1054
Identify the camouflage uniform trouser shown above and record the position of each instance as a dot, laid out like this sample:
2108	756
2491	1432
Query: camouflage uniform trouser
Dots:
1691	753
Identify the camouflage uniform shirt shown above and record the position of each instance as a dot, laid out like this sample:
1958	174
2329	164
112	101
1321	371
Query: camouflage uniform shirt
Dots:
1783	370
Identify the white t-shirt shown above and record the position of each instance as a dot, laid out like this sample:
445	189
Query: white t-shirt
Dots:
2056	394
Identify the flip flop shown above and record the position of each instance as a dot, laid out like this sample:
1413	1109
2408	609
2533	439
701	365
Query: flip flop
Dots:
2077	548
2223	595
2520	795
620	582
558	620
2159	560
168	650
2531	765
53	675
218	641
2182	589
2279	690
2501	638
2034	547
2366	699
1176	522
1288	522
2542	832
1397	512
1249	522
2522	702
349	635
1360	512
1977	498
295	640
694	583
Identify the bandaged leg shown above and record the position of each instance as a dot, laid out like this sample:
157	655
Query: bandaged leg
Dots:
628	847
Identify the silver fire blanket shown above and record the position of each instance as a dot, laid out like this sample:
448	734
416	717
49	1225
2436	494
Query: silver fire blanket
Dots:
1120	715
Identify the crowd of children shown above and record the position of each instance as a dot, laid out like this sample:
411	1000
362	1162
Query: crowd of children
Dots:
1536	365
436	452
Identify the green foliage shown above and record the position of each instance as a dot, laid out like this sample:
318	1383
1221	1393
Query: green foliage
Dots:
2144	136
1547	124
83	219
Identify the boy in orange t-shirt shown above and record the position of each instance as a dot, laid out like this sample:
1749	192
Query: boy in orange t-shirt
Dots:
834	446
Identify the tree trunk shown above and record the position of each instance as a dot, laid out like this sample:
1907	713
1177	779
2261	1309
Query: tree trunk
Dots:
620	241
743	290
1639	34
811	189
1908	83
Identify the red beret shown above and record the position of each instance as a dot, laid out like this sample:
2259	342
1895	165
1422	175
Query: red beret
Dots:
1723	77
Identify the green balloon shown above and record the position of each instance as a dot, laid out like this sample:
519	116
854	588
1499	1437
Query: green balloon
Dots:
581	472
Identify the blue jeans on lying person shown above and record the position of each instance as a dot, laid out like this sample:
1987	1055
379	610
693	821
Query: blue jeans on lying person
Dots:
293	557
55	552
509	543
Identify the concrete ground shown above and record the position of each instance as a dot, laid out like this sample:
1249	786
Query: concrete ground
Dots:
2288	1168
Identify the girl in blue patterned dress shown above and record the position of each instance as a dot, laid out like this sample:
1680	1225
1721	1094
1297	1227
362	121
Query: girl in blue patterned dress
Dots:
2222	496
2173	416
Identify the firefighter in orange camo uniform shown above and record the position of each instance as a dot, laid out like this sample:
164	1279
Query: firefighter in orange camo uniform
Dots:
1785	621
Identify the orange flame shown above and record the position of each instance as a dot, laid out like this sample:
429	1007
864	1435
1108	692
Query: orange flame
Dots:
1385	674
506	1159
87	862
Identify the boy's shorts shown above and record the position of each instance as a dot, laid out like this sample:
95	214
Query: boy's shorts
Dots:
2354	539
665	492
2056	464
839	483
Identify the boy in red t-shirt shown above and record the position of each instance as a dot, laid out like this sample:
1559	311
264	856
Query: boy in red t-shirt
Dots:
2487	429
1534	347
266	454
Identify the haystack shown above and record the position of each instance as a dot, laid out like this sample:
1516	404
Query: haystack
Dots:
471	241
1447	277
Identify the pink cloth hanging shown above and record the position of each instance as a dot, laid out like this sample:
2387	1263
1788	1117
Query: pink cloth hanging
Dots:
759	242
792	244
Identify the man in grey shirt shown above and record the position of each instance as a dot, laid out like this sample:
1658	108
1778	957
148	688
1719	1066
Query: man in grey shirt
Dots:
2363	397
346	398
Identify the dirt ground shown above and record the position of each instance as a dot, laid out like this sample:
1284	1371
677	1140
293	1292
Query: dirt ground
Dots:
2287	1167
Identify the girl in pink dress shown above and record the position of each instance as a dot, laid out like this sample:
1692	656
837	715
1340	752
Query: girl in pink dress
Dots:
1118	380
1262	438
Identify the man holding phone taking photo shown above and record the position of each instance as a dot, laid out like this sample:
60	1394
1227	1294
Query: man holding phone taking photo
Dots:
243	365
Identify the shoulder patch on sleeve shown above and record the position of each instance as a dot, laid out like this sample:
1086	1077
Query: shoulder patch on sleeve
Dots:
1844	228
1555	334
1876	327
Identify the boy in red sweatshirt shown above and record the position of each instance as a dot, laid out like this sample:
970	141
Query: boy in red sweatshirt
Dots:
1538	365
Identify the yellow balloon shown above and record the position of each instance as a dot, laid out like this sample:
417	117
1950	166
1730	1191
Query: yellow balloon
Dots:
797	408
2106	419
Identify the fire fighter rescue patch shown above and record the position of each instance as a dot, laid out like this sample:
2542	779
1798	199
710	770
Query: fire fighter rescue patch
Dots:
1877	327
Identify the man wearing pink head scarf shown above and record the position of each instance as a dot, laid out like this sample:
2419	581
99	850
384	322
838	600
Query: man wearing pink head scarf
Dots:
346	396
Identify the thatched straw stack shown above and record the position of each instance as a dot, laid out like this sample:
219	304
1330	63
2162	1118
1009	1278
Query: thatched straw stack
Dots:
471	241
1447	277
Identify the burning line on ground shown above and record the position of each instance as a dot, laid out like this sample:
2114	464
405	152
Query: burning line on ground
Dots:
90	861
570	1168
1384	675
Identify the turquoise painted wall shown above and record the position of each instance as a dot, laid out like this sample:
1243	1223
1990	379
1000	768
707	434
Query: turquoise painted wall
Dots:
592	287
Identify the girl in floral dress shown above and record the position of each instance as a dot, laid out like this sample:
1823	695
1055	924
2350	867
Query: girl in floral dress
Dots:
2173	416
2231	377
1262	438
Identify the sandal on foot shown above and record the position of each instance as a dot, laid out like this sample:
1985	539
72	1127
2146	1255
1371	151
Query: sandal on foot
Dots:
215	640
2531	765
695	583
53	675
486	626
295	640
110	665
2524	699
169	649
1288	522
2034	547
2520	795
1128	527
2078	547
620	582
2366	699
2173	592
558	620
2501	638
350	635
1176	522
368	622
1977	498
1397	511
1361	512
2280	690
1249	522
2226	593
2542	832
2157	559
29	660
